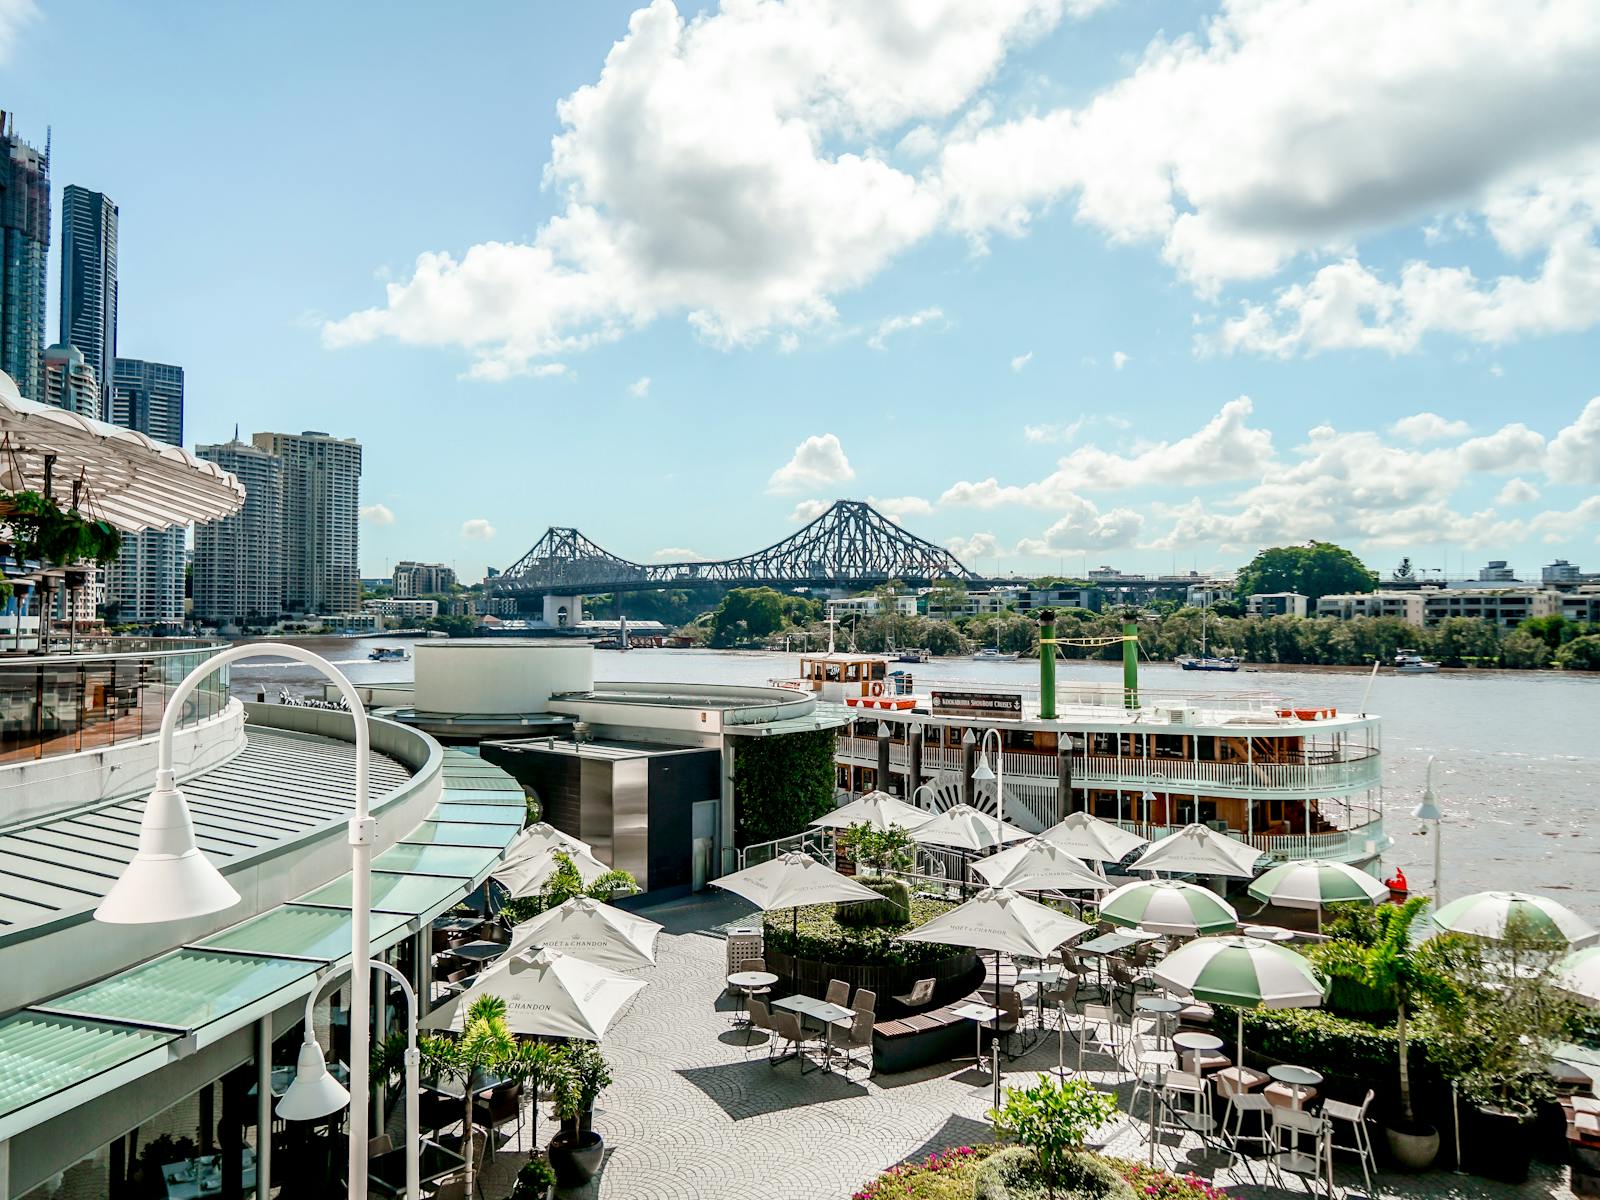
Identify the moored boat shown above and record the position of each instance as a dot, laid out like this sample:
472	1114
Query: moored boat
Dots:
1410	662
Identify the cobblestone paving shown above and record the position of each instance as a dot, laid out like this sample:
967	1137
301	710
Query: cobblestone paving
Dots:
696	1114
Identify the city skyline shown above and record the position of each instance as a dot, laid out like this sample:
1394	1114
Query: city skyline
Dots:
1010	297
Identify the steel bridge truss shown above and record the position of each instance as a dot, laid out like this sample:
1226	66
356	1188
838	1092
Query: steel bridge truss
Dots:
851	545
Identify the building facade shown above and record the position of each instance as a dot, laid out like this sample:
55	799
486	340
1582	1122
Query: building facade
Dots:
238	561
70	382
145	584
421	579
1276	604
407	609
1496	571
24	251
1501	606
89	277
321	507
1402	606
1561	571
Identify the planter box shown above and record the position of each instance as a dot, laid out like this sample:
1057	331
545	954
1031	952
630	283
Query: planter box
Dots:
810	976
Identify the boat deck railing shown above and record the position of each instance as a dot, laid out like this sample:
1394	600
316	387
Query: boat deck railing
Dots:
112	691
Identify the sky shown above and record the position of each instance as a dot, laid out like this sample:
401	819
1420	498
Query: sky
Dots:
1055	283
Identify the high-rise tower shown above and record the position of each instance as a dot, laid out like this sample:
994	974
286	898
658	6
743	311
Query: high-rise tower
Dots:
238	561
89	277
146	581
321	505
24	248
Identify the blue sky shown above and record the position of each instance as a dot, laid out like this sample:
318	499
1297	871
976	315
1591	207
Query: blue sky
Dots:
1059	282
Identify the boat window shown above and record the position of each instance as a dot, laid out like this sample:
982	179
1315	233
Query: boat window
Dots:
878	670
833	673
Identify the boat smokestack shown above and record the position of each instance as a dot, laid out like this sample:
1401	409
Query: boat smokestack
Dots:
1047	664
1130	663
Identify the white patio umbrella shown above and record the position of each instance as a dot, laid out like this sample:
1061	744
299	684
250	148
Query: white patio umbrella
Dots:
1316	883
547	993
1580	974
1487	914
1169	906
1037	865
541	835
1199	850
793	880
877	809
595	932
525	875
962	827
1084	835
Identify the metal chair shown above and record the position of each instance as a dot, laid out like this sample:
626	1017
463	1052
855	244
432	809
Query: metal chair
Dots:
503	1105
1356	1116
1150	1069
1006	1025
1240	1104
1100	1026
838	993
921	993
1289	1130
857	1035
865	998
1177	1087
760	1018
381	1144
786	1028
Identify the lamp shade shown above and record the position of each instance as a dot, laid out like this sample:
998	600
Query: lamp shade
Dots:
169	879
314	1092
983	772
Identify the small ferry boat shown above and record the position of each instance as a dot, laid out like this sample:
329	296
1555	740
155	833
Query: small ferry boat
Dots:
388	654
991	654
856	680
1207	662
913	656
1410	662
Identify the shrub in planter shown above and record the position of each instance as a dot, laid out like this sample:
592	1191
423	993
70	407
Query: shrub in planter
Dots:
581	1074
1052	1119
535	1181
893	909
1016	1174
815	932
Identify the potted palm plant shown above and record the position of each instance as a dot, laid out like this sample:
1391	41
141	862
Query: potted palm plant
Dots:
1374	948
581	1075
484	1044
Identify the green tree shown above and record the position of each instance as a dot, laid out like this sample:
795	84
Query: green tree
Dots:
1314	570
1457	641
746	614
1580	654
485	1044
1053	1119
1554	631
1524	650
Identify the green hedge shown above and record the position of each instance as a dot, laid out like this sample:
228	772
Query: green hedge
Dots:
894	909
1337	1047
821	937
781	784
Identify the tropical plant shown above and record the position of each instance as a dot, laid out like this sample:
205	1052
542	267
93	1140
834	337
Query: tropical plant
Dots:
1053	1118
894	909
888	849
1374	947
484	1044
565	883
581	1074
534	1180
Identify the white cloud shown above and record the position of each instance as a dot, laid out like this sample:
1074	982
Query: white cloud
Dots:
1021	361
818	462
676	554
1120	360
15	16
809	510
477	530
1084	527
1429	427
377	514
898	508
640	387
890	326
1574	455
724	167
1517	491
970	549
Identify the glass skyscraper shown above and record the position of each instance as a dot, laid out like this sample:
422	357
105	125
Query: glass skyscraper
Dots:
146	583
24	249
321	506
89	277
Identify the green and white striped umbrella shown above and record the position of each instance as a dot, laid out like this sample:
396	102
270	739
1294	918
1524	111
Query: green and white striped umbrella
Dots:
1244	972
1169	906
1316	883
1487	915
1580	974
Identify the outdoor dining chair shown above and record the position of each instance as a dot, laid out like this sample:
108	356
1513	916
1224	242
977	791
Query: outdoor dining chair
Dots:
1240	1106
1150	1069
787	1031
838	993
1185	1093
1100	1031
1290	1130
856	1036
760	1018
503	1105
1009	1021
921	993
1356	1116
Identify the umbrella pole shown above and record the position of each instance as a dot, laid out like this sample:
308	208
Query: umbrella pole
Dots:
994	1045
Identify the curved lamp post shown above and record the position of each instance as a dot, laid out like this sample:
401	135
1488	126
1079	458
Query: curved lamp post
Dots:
169	878
997	777
1429	810
316	1093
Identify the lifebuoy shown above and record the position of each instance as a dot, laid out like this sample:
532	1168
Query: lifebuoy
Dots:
877	687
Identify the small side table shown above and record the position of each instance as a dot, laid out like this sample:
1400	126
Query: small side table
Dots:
1165	1010
1192	1044
745	982
1298	1078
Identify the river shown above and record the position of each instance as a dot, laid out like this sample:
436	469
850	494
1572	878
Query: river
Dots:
1518	775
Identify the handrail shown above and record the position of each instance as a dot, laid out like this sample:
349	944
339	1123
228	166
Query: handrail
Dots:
144	648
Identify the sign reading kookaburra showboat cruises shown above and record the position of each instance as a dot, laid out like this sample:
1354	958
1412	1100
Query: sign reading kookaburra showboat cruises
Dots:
1001	705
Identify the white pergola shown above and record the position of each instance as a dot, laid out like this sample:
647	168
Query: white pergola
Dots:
126	478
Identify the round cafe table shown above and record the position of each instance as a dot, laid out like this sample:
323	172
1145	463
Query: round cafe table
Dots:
745	982
1299	1078
1165	1010
1193	1043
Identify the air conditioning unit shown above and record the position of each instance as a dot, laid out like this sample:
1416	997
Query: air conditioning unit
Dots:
1219	826
1177	716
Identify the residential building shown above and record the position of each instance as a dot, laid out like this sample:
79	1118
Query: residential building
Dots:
1276	604
70	382
1496	572
1560	571
145	584
871	606
89	277
422	579
1204	595
321	506
24	251
946	604
1581	605
460	606
1058	597
1403	606
238	561
406	609
1506	607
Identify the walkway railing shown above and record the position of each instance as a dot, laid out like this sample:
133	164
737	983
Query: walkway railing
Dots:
818	843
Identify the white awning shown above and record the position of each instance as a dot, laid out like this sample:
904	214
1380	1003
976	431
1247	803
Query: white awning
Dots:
128	479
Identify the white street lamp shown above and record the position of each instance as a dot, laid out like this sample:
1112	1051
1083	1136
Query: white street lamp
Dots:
1429	810
983	774
316	1093
166	881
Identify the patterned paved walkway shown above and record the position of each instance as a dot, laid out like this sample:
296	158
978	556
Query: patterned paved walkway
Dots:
696	1115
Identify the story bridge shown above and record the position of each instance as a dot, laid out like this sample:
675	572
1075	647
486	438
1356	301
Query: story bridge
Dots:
850	545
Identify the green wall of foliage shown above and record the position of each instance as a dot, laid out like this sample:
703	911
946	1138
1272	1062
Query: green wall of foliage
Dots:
781	784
